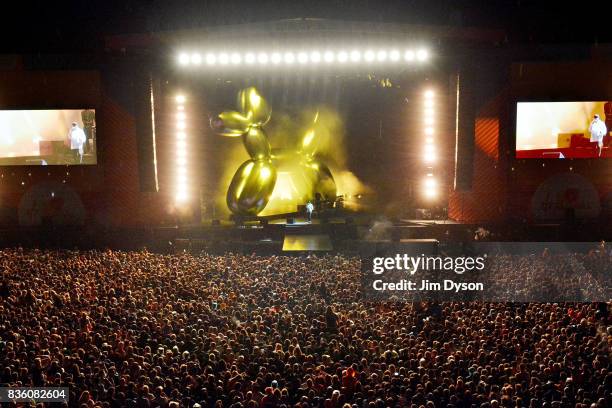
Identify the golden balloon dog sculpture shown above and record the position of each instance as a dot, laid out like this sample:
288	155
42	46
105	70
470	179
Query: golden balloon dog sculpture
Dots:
253	183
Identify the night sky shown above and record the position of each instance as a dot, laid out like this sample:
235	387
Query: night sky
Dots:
79	26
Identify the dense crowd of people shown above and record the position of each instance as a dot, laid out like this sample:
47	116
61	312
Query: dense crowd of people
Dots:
137	329
550	277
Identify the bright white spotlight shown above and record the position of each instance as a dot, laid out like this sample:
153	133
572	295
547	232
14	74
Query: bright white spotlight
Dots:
262	58
430	182
342	56
289	58
422	55
381	55
431	193
196	58
183	58
223	58
180	98
181	196
211	59
355	56
181	115
429	140
409	55
429	121
276	58
429	94
302	57
369	56
181	145
181	135
181	162
181	125
394	55
429	148
180	108
315	57
429	157
249	58
429	112
328	56
429	103
236	58
429	131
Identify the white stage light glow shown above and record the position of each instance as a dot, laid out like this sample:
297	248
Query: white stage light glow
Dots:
429	157
430	182
289	58
183	58
422	55
211	59
276	58
180	98
249	58
302	57
262	58
196	59
431	193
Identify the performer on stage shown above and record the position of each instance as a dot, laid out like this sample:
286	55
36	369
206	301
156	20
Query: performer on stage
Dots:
598	130
309	210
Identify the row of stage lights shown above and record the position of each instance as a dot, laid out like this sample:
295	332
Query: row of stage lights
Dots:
181	192
430	184
303	57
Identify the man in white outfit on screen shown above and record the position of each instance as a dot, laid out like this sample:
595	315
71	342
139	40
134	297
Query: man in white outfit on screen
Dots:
598	130
77	140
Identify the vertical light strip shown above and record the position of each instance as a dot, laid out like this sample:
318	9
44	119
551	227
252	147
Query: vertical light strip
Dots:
458	79
181	172
430	187
153	133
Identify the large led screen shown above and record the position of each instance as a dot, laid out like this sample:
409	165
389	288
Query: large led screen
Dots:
563	130
47	137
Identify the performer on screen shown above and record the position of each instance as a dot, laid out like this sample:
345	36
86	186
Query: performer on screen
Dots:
598	130
77	139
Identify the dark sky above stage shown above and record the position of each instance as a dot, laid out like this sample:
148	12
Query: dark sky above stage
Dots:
39	26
